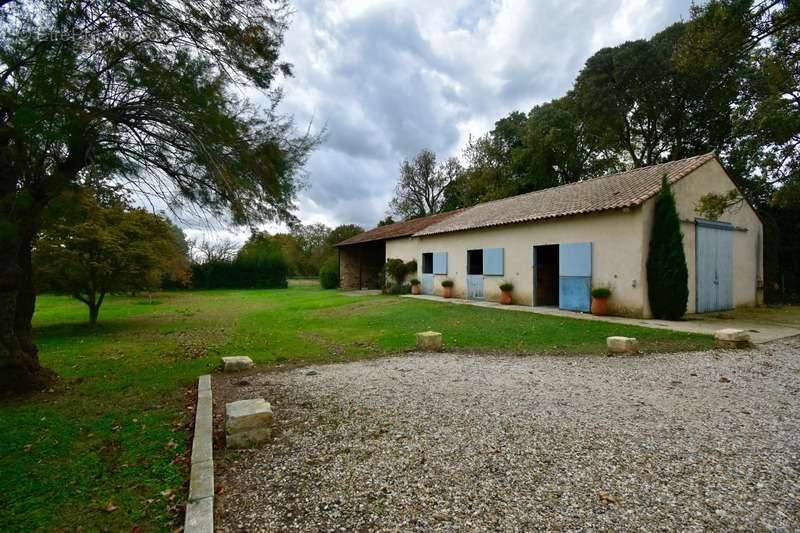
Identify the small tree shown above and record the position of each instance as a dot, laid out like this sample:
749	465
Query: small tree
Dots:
95	250
667	275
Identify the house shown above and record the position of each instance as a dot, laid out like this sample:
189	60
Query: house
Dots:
556	244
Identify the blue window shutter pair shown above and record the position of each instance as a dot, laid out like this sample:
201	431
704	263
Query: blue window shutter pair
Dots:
440	262
492	261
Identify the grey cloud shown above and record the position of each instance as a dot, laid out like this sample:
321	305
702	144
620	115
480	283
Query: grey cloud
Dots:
386	83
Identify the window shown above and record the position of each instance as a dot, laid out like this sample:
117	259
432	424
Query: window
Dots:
474	262
427	263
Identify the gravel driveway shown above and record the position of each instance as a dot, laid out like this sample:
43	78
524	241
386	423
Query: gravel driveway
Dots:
451	442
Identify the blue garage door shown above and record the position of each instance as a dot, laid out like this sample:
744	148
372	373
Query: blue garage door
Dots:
575	276
714	251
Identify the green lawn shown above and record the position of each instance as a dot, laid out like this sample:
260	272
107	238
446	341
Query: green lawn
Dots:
105	449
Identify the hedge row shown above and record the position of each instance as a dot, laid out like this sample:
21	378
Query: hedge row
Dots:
260	273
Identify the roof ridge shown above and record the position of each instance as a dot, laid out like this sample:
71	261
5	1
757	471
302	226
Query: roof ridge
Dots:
679	168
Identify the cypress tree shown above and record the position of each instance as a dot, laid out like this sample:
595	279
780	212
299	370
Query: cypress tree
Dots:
667	275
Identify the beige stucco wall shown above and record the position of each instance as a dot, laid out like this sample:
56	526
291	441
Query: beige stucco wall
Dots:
747	245
616	254
405	248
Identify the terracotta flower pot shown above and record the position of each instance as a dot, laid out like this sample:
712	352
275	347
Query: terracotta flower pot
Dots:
599	306
447	292
505	297
415	289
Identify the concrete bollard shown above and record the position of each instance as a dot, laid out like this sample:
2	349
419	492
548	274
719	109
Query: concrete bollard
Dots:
429	341
622	345
248	423
732	338
236	363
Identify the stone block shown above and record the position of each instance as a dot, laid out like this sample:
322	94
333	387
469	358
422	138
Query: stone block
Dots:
236	363
429	341
732	338
248	423
199	516
201	480
622	345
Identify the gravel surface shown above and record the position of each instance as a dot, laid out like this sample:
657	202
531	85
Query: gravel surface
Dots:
450	442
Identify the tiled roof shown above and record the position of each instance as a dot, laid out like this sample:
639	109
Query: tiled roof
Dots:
613	191
399	229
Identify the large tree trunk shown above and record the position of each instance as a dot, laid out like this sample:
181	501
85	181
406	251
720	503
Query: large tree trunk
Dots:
20	369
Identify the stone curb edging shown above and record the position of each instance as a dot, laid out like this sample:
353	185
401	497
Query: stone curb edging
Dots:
200	507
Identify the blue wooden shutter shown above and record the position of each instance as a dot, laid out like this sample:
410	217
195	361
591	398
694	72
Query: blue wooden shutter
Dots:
440	262
492	261
575	276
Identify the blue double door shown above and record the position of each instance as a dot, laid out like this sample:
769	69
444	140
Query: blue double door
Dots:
566	274
714	260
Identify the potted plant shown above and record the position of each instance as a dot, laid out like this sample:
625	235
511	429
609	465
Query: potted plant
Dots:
415	286
505	292
447	288
600	296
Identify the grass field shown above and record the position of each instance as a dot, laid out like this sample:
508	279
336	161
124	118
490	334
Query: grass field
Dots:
104	449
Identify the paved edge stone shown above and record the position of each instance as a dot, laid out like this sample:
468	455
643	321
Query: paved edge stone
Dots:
200	507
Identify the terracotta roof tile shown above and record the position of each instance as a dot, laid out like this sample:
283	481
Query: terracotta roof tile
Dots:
612	191
399	229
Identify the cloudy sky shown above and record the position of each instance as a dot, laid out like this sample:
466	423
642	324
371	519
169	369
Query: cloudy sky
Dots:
388	78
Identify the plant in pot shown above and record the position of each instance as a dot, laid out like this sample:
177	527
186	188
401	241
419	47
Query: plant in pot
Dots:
505	292
600	296
447	288
415	286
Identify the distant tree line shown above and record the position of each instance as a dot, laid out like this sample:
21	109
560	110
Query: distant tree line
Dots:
727	80
266	260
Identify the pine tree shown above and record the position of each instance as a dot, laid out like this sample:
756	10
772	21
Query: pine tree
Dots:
667	275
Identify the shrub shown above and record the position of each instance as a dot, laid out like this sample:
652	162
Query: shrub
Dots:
400	288
329	274
447	283
397	269
506	286
414	281
601	292
667	275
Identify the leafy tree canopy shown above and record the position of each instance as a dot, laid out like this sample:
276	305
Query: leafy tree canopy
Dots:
90	250
341	233
143	94
421	188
